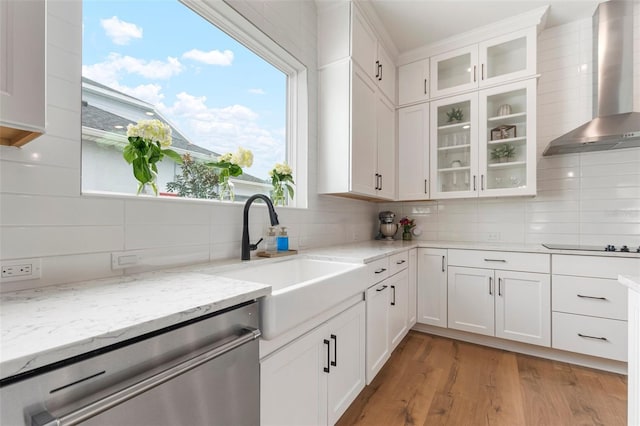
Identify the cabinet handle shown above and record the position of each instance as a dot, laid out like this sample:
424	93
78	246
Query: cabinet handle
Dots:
499	286
591	297
481	182
442	263
377	69
381	270
381	288
426	190
474	182
425	86
377	181
393	303
585	336
380	78
490	282
474	73
328	367
334	363
495	260
400	262
380	183
482	72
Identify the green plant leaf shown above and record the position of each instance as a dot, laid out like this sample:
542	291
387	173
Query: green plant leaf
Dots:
141	170
290	190
173	155
129	153
235	170
155	154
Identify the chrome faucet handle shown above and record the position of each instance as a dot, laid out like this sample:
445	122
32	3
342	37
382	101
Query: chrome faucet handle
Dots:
255	246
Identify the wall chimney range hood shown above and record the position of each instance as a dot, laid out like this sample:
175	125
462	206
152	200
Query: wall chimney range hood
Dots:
615	125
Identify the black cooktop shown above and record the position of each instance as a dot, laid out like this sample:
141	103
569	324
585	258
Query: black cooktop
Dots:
608	247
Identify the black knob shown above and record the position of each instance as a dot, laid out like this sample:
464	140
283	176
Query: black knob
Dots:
610	247
625	249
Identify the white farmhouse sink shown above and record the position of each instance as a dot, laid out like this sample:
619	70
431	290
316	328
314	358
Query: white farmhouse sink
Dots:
301	289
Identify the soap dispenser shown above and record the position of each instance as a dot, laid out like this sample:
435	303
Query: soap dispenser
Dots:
283	240
271	241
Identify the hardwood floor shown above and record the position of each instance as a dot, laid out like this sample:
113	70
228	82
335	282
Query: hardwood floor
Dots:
432	380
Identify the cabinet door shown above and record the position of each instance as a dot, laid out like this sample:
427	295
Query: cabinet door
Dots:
523	307
386	149
432	286
386	75
398	307
508	57
364	104
364	44
412	316
507	157
455	71
413	152
377	328
471	301
293	383
413	82
454	147
346	377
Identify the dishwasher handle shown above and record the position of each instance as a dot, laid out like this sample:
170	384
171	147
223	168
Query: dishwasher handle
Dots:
45	418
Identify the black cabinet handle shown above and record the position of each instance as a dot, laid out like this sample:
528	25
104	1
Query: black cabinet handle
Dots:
377	69
326	369
495	260
380	183
393	303
481	182
474	73
381	288
585	336
334	363
400	262
380	78
490	290
499	286
442	263
381	270
426	190
482	71
474	182
591	297
425	86
377	182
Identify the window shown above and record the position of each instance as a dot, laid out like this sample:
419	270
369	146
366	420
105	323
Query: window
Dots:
210	87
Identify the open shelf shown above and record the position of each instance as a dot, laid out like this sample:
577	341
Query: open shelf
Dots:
506	117
454	147
454	169
454	126
506	165
508	140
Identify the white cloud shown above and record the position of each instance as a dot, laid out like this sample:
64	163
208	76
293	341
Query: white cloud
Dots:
117	65
257	92
212	57
120	32
224	129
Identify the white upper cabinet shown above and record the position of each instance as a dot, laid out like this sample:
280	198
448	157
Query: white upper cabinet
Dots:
413	82
483	143
22	71
495	61
413	152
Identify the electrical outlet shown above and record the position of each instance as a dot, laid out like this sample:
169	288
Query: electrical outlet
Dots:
20	270
121	260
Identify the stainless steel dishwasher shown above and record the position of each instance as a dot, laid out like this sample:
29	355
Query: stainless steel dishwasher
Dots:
200	372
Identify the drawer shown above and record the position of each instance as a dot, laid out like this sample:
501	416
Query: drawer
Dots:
601	337
398	262
596	297
595	266
377	270
509	261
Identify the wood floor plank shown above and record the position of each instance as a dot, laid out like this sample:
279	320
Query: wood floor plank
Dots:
432	380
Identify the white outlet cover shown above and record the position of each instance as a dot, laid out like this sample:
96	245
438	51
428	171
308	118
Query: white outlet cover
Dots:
36	267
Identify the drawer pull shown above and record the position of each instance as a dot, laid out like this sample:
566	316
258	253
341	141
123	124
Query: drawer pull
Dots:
495	260
442	263
400	262
593	337
381	270
591	297
381	288
490	290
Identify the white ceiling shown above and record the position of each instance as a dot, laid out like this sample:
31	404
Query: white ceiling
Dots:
416	23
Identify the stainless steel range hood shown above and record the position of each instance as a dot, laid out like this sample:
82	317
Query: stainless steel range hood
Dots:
614	125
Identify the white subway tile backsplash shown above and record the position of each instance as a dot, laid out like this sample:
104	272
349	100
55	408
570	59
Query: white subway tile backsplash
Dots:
24	178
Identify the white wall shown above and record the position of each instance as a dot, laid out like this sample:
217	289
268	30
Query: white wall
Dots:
590	198
42	213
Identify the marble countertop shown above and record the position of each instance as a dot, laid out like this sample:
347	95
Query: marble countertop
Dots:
632	282
50	324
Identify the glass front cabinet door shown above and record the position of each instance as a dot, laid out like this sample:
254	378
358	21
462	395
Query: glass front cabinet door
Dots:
507	163
508	57
454	153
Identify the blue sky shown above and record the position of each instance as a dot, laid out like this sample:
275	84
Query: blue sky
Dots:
218	93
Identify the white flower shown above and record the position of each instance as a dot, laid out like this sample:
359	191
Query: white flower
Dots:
243	157
151	130
282	169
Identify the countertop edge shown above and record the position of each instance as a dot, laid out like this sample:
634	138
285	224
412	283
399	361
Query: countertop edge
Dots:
631	282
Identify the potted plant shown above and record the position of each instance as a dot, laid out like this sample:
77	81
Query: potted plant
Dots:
503	153
231	164
281	179
407	225
455	115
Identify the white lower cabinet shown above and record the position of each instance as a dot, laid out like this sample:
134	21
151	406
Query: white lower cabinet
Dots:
511	305
432	286
412	313
387	314
312	380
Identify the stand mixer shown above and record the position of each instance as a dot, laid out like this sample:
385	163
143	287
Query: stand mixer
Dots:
387	228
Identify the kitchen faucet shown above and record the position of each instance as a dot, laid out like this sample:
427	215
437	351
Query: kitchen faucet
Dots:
273	216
